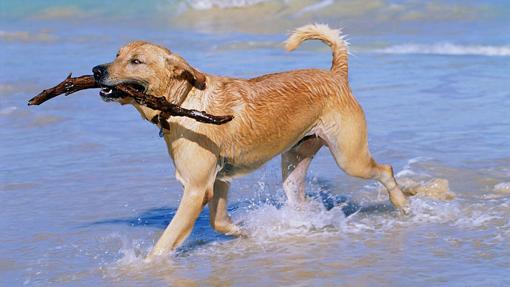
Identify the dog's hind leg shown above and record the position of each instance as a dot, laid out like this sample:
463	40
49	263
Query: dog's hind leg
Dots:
295	163
346	138
220	220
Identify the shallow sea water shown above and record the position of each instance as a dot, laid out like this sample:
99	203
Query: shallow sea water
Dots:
86	187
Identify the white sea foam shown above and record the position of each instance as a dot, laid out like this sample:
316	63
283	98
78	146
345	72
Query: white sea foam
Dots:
315	7
500	190
503	187
407	169
8	110
447	49
208	4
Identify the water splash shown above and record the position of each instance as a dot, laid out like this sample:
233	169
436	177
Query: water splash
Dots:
273	226
269	221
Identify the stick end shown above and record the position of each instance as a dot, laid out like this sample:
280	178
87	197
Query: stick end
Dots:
225	119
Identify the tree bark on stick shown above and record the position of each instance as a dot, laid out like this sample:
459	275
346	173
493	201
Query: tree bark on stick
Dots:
71	85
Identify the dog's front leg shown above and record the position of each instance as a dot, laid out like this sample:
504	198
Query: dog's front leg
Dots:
196	171
182	223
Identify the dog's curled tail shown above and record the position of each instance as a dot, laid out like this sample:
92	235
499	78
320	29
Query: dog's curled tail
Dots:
331	37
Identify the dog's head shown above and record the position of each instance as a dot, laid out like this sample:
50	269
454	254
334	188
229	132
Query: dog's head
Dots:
150	68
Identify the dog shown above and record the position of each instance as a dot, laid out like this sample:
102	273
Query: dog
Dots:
291	113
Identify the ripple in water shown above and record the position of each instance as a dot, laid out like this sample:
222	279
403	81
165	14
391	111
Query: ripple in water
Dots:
327	222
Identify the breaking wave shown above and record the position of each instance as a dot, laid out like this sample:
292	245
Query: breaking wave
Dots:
448	49
208	4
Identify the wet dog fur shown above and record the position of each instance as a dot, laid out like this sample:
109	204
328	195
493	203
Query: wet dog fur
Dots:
291	113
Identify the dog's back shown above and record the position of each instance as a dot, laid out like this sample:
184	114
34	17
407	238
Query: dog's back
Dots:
292	113
277	110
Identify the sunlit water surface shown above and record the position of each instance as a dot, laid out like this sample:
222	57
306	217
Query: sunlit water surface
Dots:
86	187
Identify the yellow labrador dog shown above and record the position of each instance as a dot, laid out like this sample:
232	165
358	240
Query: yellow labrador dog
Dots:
291	113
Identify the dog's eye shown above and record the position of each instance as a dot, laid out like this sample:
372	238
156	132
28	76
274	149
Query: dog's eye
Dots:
135	62
116	56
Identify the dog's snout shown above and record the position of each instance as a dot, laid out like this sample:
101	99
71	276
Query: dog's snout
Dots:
99	72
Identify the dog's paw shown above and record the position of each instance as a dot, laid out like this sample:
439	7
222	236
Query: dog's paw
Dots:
237	231
405	211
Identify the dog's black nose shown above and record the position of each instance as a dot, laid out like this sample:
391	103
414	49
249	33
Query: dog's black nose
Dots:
99	72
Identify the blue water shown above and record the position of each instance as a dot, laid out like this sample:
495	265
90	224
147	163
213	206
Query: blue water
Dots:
86	187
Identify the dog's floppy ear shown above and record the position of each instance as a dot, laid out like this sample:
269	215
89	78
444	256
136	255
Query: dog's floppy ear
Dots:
197	78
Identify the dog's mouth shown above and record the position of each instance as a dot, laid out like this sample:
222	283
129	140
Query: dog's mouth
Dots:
111	93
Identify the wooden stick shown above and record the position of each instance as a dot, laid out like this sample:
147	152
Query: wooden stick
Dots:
168	109
67	87
71	85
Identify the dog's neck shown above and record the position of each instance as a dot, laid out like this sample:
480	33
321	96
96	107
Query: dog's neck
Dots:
193	98
145	112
